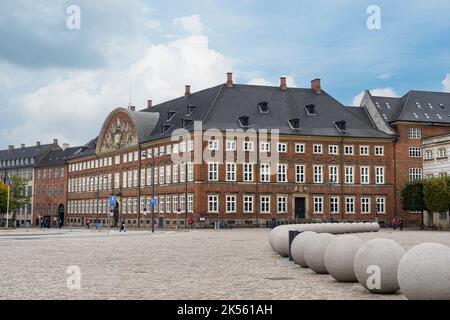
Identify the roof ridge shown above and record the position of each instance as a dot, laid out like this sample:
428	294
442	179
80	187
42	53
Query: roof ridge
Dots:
213	103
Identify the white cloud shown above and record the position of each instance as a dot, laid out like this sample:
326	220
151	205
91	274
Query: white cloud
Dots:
446	83
385	76
189	24
384	92
73	108
290	81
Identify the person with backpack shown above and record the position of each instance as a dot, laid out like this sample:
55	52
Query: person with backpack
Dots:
394	223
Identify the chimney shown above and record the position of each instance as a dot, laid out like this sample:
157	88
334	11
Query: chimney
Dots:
38	143
11	147
22	145
149	104
132	108
187	90
283	85
65	146
315	85
55	142
230	80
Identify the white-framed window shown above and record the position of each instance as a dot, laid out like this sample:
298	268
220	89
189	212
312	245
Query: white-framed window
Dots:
379	150
183	203
190	203
317	149
248	172
282	147
135	178
264	146
116	180
415	174
161	204
175	206
142	177
318	173
155	174
379	175
168	204
300	173
349	174
333	149
248	203
248	146
281	204
348	150
230	145
414	133
318	204
190	145
364	174
364	150
213	203
415	152
365	205
333	174
265	204
175	173
299	148
168	173
124	179
282	173
190	174
230	171
213	171
442	153
130	205
428	154
349	204
230	203
381	204
265	172
125	158
334	204
213	145
161	174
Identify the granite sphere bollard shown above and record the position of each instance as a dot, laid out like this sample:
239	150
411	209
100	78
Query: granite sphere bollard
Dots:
281	239
375	227
424	272
368	227
376	263
315	251
298	247
339	257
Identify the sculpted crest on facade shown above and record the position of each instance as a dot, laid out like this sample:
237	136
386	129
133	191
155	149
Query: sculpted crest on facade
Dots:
119	134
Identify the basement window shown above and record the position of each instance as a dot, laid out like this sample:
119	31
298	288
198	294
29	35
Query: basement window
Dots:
310	109
244	121
263	107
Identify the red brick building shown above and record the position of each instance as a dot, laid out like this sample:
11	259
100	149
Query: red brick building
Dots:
50	185
415	116
326	161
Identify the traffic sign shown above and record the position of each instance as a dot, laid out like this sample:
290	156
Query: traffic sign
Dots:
152	202
112	201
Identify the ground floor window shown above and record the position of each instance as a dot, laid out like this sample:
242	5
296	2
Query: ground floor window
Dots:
381	205
231	203
282	204
265	204
213	203
248	203
349	204
334	205
443	215
365	205
318	204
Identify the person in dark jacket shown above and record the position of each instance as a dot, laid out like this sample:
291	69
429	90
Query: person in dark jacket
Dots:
122	226
400	223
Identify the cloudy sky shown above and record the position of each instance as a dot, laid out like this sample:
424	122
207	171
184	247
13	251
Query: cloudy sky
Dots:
60	82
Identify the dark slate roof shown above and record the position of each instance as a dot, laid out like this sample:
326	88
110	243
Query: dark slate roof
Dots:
362	114
416	106
59	157
220	107
32	152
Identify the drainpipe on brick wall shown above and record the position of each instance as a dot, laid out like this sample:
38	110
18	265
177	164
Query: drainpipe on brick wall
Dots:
139	186
395	178
341	179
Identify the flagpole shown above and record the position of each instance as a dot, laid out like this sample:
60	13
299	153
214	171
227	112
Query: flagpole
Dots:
7	208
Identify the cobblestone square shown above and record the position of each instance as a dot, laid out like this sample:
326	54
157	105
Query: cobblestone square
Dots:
195	264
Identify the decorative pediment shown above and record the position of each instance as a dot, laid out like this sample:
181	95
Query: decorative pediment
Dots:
119	133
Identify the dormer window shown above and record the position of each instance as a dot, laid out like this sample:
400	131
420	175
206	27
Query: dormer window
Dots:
170	115
263	107
341	126
244	121
294	123
185	122
190	109
310	109
165	128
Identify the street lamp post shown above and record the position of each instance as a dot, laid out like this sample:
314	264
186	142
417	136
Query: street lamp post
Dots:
185	196
153	191
8	183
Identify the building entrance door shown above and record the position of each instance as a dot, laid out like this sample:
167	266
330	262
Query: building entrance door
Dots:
300	209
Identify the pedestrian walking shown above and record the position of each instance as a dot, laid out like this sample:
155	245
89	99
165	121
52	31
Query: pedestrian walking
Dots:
394	223
400	224
122	226
88	223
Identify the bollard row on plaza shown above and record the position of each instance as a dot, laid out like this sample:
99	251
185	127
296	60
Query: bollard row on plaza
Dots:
380	265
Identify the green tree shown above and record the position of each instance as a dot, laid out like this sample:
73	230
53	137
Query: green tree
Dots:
437	194
412	196
18	197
